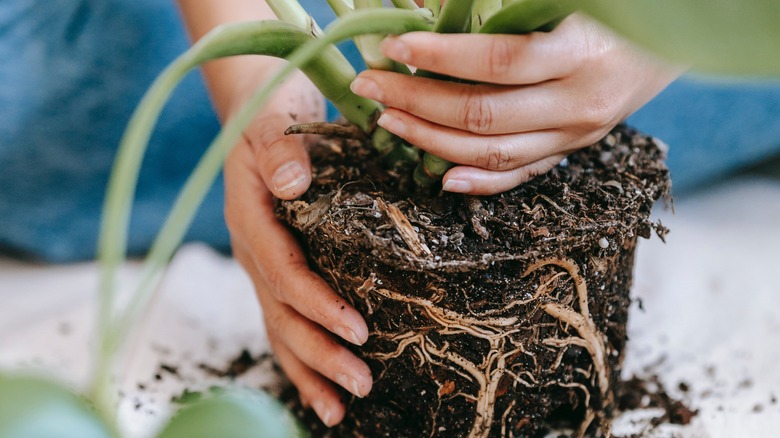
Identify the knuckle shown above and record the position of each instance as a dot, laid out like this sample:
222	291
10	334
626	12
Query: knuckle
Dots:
276	281
495	157
501	57
274	324
597	112
477	112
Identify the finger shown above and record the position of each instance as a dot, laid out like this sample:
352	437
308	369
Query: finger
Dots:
317	349
308	343
480	109
497	59
475	181
282	161
291	281
314	389
276	255
494	152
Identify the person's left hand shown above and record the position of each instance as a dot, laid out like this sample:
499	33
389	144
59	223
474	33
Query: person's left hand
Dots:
538	97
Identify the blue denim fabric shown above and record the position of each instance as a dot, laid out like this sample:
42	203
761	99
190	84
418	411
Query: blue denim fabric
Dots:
73	71
713	128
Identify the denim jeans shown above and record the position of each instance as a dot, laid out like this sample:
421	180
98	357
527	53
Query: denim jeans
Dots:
73	71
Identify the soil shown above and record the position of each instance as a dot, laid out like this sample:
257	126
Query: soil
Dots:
502	315
643	393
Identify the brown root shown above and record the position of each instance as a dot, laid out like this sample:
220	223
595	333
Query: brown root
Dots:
327	129
590	337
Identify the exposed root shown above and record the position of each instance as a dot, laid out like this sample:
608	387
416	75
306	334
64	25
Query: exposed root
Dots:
404	228
486	375
590	337
498	332
327	129
590	415
478	216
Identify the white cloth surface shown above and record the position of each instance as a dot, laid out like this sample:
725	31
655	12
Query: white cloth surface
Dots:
711	319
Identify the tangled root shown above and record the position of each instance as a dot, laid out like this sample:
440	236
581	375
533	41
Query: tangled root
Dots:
498	332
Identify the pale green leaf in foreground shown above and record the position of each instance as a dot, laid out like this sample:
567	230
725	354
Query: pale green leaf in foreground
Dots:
234	414
729	37
32	407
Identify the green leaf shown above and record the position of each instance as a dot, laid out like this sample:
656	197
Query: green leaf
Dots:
234	414
713	36
32	407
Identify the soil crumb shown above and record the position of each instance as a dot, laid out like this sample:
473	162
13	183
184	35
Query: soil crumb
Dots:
238	366
637	393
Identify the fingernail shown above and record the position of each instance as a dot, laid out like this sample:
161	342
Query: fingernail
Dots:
456	186
366	88
349	384
396	49
288	176
348	334
392	124
322	411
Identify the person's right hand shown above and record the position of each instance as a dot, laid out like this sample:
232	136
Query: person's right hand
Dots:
303	315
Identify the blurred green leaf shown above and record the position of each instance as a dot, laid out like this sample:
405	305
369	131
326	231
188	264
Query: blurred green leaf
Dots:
32	407
233	414
730	37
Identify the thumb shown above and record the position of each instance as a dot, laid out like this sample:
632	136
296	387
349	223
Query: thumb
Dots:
282	160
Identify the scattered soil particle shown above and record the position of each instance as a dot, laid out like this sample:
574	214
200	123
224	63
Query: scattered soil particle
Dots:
683	387
170	369
638	393
238	366
758	408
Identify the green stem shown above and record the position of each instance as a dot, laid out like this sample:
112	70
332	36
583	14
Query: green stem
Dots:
341	7
292	12
455	17
481	11
524	16
368	45
434	6
405	4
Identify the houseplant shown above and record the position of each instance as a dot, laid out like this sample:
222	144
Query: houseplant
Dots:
112	249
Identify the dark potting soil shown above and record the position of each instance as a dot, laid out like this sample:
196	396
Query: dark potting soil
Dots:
501	315
633	394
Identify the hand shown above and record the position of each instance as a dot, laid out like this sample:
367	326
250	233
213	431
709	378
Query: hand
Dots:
300	310
538	98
